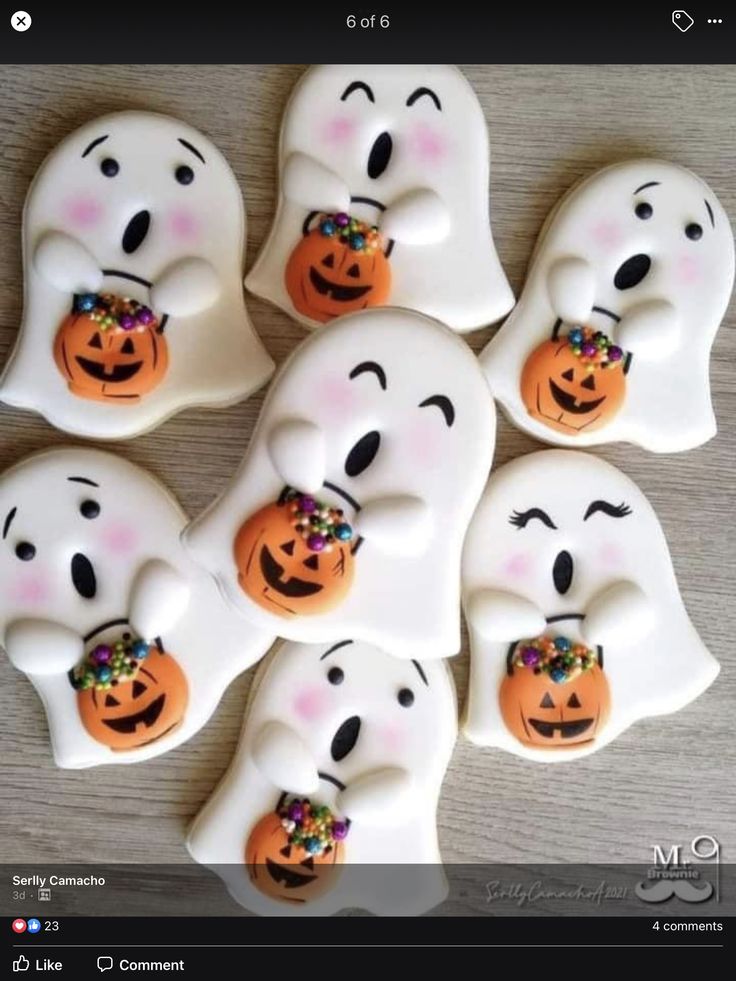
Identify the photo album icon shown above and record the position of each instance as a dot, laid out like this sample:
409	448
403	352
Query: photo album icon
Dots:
682	20
673	875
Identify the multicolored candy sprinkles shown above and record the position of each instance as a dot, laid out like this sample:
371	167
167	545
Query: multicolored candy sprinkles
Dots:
360	236
559	657
319	524
594	348
107	665
314	828
116	313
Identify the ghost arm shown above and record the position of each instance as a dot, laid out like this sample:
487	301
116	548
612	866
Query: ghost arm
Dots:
66	264
187	287
418	217
651	330
398	525
376	797
298	453
620	614
500	616
310	184
158	599
42	647
571	289
284	759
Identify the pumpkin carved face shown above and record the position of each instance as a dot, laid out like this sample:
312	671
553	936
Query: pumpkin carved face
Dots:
569	393
549	715
290	571
133	712
286	871
337	269
107	363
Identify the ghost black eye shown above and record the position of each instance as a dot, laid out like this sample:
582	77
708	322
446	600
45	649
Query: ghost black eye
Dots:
184	174
110	167
694	231
643	210
336	676
25	551
89	509
406	698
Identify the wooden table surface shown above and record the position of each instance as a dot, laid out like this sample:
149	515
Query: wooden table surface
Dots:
664	780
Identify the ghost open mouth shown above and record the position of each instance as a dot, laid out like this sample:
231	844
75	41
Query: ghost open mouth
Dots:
105	373
565	730
337	292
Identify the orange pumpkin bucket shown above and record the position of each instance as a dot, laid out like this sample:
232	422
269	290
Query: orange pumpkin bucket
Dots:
294	853
130	693
109	349
555	694
338	267
575	384
294	557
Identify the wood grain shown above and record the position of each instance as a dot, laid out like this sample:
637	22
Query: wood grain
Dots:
663	781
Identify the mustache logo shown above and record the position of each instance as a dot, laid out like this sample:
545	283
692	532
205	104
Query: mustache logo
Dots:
664	889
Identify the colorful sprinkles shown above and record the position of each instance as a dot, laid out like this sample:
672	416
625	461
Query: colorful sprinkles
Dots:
558	657
313	828
594	348
360	236
110	664
119	314
319	524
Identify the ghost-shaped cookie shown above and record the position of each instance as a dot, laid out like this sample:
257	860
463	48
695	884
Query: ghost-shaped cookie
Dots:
347	735
133	250
384	175
577	627
348	513
127	642
612	334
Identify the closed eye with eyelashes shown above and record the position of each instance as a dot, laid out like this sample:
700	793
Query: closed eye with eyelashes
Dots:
522	518
612	510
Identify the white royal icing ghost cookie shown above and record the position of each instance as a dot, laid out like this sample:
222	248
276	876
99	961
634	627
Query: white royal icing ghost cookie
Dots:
384	199
127	642
577	627
348	513
612	334
331	799
133	245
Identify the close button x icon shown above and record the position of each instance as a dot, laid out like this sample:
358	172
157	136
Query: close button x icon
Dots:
20	20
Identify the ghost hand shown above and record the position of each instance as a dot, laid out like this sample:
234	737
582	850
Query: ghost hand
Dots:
418	217
310	184
284	759
399	525
159	596
621	614
66	264
42	647
297	451
187	287
571	289
651	330
500	616
376	797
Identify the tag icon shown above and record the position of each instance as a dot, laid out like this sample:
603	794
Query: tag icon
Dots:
682	20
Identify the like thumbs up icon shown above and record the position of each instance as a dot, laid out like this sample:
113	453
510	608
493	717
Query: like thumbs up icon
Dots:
22	964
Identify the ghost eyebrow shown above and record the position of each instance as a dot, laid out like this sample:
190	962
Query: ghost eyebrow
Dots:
522	518
613	510
355	87
9	521
192	149
335	647
94	143
370	366
443	404
83	480
710	213
420	670
645	186
422	91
